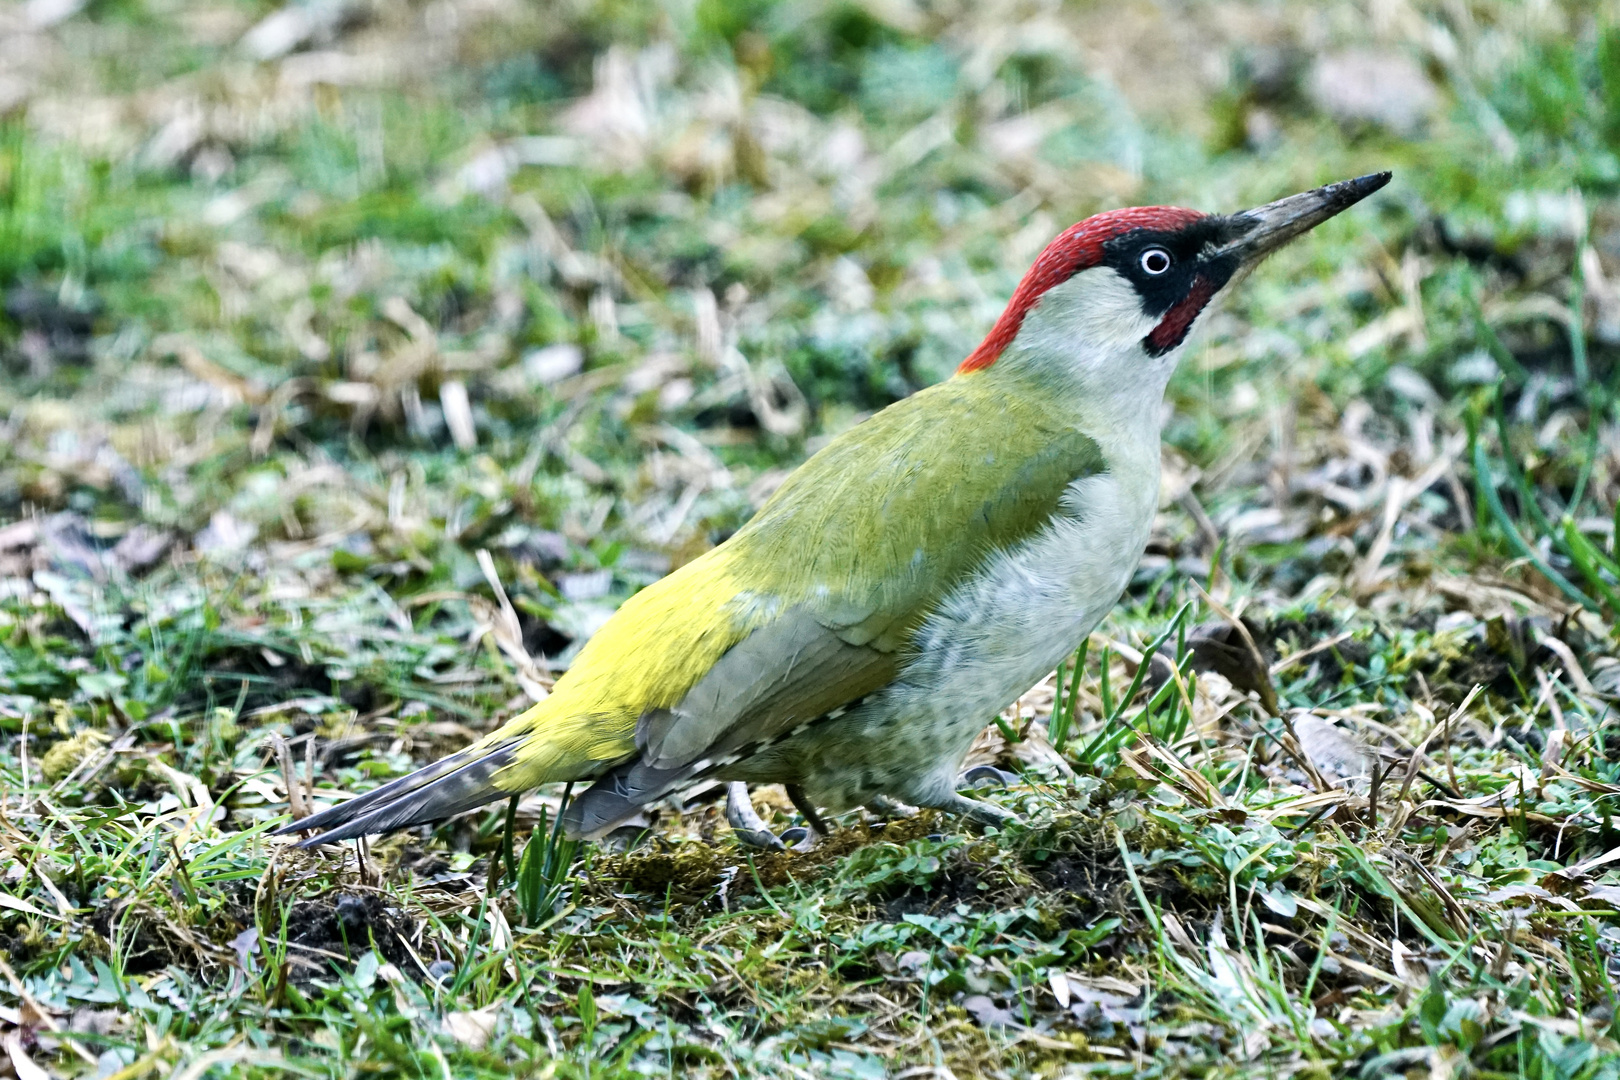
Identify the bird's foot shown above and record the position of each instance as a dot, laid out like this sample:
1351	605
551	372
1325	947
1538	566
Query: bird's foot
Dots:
801	838
814	824
887	809
805	837
981	776
745	820
974	810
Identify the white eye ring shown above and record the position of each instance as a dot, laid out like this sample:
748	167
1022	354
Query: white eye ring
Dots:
1155	261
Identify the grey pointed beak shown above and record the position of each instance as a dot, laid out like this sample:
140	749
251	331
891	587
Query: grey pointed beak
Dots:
1257	233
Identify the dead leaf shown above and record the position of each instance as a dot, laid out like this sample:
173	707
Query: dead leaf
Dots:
1604	894
1331	749
988	1013
24	1066
474	1028
101	1022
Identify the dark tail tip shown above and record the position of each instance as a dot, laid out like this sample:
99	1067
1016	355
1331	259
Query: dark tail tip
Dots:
460	782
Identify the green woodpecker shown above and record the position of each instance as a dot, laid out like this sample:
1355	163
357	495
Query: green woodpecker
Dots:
907	582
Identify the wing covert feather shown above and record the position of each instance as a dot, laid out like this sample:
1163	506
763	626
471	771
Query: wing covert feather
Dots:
788	672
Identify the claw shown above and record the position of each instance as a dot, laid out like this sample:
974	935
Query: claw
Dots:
801	839
979	774
745	820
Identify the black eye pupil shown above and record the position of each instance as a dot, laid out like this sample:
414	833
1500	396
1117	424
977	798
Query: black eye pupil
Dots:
1155	261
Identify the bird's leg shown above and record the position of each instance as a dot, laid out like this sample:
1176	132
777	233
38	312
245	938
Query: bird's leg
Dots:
745	821
814	827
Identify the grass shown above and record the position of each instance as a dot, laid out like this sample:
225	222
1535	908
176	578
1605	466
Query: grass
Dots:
337	411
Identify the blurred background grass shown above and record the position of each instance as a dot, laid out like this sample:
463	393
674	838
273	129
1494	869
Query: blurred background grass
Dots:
306	307
312	220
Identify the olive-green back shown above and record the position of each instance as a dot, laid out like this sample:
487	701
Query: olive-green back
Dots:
874	530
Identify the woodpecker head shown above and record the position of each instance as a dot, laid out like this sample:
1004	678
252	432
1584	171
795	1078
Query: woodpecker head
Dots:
1110	302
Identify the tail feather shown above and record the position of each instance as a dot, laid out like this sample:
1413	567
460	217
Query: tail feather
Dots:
459	782
394	789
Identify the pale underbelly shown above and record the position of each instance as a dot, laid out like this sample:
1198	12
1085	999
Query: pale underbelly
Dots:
990	641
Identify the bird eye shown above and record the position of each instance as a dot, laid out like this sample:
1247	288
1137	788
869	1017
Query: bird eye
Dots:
1155	261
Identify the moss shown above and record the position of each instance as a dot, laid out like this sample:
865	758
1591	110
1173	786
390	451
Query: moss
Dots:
68	754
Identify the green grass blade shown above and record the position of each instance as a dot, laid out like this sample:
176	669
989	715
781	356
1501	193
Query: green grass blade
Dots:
1516	541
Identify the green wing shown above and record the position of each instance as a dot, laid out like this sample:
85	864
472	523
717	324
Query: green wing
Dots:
856	549
877	527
